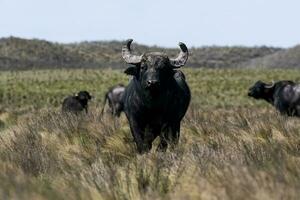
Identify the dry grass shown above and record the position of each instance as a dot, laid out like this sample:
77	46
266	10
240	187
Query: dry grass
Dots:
222	154
226	151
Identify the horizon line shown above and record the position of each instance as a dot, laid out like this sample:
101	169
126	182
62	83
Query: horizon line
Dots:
140	43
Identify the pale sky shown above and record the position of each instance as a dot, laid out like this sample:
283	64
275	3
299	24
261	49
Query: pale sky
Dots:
160	22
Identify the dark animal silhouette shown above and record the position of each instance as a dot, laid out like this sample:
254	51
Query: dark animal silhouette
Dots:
157	98
114	96
283	95
77	103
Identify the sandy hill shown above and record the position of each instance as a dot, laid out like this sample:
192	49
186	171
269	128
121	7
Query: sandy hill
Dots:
18	53
286	58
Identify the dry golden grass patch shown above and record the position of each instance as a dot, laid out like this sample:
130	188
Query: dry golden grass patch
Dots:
222	154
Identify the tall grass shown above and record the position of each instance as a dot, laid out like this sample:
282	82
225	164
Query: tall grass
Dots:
240	149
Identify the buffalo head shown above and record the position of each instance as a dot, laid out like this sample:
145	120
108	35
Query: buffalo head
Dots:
260	89
153	70
83	96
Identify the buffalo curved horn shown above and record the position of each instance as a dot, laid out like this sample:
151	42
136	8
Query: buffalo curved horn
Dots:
270	86
126	53
181	58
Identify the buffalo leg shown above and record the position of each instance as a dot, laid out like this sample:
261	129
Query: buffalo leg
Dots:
138	132
175	133
111	107
297	111
163	145
170	135
118	110
164	137
150	135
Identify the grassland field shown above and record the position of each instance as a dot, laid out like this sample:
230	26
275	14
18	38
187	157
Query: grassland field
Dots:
231	146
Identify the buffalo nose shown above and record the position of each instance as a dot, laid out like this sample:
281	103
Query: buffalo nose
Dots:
152	83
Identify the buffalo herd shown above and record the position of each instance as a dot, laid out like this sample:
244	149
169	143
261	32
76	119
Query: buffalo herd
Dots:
158	96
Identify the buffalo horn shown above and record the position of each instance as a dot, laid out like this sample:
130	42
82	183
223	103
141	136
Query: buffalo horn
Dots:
127	56
181	58
271	85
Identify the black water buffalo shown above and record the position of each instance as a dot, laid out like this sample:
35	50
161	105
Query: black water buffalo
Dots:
283	95
76	103
157	97
114	96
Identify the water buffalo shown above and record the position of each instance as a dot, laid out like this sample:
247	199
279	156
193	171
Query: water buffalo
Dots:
283	95
114	96
157	97
76	103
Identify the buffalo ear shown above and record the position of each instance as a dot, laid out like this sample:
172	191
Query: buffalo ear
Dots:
132	70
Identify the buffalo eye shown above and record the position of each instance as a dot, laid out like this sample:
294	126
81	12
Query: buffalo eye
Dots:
143	67
259	89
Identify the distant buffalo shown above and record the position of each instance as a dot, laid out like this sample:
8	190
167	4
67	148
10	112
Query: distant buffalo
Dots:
157	98
283	95
114	96
76	103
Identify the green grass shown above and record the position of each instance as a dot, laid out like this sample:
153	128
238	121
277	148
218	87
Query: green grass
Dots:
210	88
231	147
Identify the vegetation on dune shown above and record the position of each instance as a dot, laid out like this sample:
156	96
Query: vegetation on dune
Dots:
287	58
231	147
18	53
